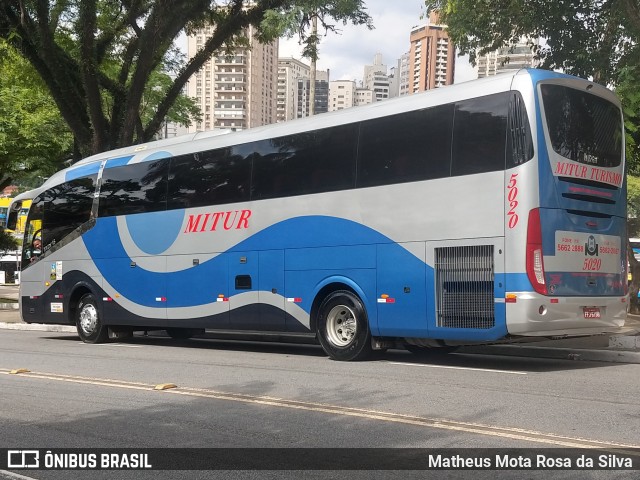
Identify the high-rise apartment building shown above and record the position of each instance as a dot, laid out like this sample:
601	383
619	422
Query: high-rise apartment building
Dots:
235	91
431	58
289	71
402	74
321	103
376	78
342	94
507	59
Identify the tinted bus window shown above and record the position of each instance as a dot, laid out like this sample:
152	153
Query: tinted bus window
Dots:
137	188
583	127
479	135
310	162
32	243
406	148
67	206
209	178
519	140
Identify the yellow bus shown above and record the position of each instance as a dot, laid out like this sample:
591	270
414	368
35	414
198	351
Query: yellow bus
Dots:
22	217
4	208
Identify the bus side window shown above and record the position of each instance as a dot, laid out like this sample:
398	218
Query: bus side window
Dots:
409	147
32	245
479	135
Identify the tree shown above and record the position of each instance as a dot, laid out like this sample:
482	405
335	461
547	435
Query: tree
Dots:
97	56
628	89
305	14
34	139
7	242
587	38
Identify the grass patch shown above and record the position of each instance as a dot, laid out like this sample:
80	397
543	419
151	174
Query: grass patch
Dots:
8	300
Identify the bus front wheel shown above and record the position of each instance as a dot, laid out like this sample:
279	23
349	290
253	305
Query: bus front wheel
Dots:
343	329
88	323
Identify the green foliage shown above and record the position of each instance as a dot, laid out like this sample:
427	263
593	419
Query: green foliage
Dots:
633	198
34	139
110	67
582	37
628	90
587	38
296	18
7	241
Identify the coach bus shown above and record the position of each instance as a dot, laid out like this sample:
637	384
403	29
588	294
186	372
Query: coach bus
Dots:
490	211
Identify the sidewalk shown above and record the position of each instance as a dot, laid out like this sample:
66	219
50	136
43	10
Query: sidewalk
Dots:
624	348
601	348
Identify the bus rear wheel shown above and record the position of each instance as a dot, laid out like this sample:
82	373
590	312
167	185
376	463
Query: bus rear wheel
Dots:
88	323
343	328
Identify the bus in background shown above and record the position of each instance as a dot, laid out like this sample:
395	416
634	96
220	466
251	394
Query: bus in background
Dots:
4	208
5	203
635	246
22	216
490	211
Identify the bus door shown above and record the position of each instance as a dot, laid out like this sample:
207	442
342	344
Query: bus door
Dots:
271	291
253	279
34	282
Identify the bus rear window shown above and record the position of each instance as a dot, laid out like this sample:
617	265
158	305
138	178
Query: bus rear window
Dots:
583	127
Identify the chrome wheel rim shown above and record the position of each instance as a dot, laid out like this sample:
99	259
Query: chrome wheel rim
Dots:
341	326
88	319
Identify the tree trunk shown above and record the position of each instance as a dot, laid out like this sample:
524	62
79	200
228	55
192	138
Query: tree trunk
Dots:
313	72
634	285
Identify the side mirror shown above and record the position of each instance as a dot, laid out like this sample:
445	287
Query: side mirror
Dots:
12	215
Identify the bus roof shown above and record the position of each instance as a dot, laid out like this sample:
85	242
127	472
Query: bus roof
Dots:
212	139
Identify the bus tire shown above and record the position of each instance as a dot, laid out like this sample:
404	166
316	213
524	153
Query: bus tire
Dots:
343	327
88	323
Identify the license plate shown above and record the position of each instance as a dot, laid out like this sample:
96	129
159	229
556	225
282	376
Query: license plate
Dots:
591	312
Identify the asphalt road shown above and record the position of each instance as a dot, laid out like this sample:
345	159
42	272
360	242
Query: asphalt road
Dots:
234	394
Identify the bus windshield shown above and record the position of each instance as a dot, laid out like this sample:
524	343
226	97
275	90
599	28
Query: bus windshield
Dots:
583	127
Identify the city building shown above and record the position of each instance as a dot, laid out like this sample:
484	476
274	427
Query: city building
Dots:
342	94
376	78
289	71
431	57
506	59
402	74
321	103
170	130
235	91
364	96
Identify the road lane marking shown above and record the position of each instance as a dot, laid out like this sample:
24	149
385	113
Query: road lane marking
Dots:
491	370
466	427
110	345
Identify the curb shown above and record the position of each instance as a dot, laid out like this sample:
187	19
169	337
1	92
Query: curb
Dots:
39	327
577	354
10	306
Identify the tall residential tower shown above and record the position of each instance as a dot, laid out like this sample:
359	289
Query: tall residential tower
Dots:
431	58
235	91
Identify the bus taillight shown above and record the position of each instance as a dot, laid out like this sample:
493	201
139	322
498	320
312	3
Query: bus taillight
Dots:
535	262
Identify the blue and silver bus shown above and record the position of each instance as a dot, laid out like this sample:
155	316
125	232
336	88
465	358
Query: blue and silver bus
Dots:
490	211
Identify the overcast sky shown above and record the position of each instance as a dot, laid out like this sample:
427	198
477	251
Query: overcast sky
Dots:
346	54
